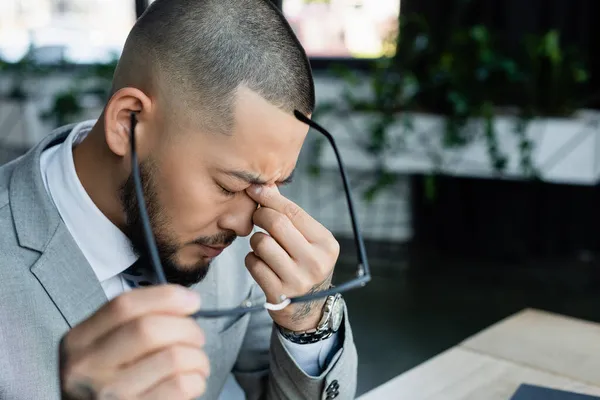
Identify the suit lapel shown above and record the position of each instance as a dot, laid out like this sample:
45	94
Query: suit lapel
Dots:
62	269
68	279
34	214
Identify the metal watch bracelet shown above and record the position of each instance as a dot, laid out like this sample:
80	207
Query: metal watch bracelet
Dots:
306	337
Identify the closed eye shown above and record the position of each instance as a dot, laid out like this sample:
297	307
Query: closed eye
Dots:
226	192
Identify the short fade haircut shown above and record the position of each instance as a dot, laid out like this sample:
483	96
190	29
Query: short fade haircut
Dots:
196	54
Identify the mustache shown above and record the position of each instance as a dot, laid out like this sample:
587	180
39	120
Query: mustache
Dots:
219	240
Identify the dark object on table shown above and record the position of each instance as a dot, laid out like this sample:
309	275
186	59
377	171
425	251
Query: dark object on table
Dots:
529	392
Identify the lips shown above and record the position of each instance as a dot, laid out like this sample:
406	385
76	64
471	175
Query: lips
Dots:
212	251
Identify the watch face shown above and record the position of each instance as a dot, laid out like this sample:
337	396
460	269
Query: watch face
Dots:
337	315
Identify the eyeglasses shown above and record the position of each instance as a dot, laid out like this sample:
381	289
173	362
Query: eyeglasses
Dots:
363	274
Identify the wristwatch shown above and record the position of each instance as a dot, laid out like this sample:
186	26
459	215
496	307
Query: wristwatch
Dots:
333	315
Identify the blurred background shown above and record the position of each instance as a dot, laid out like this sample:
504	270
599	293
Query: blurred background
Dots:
469	127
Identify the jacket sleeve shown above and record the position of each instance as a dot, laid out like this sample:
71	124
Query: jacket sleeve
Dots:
266	371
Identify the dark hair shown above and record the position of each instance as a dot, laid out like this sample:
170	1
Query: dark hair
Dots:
202	51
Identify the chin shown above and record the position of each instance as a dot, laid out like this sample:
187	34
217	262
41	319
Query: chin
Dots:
186	275
188	278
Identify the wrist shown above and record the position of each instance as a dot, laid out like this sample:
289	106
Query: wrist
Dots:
329	323
306	323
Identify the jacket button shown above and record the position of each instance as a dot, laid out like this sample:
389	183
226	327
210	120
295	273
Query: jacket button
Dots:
333	390
333	385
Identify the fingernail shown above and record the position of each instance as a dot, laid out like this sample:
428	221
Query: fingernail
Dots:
256	189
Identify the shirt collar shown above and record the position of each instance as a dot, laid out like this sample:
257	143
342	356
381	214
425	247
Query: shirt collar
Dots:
106	247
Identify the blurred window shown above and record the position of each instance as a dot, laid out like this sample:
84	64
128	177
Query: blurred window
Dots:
345	28
78	31
86	31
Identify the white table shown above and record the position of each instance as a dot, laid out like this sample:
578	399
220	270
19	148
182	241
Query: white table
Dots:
532	347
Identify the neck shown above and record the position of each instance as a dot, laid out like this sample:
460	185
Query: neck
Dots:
97	169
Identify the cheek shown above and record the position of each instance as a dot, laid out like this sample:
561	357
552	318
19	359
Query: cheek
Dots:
189	199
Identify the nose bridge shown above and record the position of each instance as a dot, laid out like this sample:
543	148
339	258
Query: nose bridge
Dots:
238	216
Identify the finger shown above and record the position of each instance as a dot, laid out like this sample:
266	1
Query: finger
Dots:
265	277
141	337
164	299
180	387
283	231
269	196
276	258
141	376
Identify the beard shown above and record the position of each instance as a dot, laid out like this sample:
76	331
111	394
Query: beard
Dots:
185	275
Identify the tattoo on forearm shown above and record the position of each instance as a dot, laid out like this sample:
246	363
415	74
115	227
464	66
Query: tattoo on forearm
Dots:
304	309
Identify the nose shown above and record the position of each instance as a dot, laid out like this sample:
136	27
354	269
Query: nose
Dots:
238	217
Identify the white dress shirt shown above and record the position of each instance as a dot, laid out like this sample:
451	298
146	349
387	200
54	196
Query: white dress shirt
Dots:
107	248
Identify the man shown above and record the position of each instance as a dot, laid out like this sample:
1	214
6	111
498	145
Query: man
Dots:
213	85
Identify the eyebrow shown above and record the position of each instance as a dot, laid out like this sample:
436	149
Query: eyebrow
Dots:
254	179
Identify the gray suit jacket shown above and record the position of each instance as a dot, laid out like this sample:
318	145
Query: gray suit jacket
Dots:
47	287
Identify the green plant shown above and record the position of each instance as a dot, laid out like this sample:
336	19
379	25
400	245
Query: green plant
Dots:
65	108
556	76
465	76
92	81
19	73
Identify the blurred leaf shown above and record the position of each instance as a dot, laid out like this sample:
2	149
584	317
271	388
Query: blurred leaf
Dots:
408	122
551	46
447	61
421	42
317	145
313	170
459	102
66	107
384	180
499	162
487	56
480	33
430	188
17	92
325	108
510	67
482	74
344	72
580	75
378	137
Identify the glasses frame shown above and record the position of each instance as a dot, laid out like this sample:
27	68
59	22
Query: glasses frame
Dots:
363	275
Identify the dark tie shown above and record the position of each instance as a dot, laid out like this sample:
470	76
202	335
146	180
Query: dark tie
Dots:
138	275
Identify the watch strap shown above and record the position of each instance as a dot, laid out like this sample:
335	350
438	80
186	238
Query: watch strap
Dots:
305	337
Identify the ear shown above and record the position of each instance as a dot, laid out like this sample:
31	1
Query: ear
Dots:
117	118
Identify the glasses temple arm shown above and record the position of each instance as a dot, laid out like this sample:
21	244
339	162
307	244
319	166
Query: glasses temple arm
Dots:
364	269
156	264
355	284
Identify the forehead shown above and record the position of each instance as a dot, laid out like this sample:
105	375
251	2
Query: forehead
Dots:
265	140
